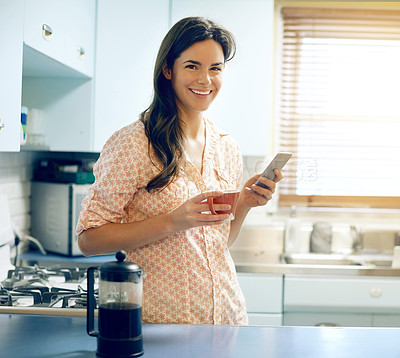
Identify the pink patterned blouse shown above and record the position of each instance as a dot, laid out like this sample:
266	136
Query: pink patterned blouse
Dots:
190	275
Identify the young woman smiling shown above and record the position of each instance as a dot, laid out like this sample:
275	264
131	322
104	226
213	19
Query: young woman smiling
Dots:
153	179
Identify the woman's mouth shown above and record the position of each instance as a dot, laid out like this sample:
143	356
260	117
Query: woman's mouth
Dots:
202	93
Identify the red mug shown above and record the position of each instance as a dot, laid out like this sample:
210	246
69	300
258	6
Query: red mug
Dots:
228	197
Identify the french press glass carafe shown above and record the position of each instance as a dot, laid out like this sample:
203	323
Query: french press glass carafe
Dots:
120	308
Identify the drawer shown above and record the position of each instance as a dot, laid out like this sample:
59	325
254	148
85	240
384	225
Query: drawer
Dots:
342	294
263	293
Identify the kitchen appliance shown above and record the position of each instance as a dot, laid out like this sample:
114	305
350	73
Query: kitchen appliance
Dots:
45	290
55	209
120	308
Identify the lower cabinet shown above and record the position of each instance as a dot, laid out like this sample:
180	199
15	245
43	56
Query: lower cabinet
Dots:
341	301
264	297
319	300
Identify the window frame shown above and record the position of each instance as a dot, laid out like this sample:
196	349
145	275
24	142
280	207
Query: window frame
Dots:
315	201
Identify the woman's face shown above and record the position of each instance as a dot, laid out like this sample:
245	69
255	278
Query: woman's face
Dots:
196	76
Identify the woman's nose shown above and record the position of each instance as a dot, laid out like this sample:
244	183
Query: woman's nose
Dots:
204	78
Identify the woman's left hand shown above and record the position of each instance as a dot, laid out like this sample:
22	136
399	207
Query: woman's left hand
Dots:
261	195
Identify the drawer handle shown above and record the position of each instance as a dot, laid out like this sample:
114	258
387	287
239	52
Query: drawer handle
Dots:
81	53
47	32
375	292
327	324
2	125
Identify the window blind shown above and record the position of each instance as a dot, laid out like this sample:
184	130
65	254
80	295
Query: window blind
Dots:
340	106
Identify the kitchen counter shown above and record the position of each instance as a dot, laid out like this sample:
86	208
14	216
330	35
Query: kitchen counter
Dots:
35	257
31	336
312	269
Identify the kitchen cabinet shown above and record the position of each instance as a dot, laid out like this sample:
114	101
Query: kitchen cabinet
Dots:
129	34
63	30
263	294
244	106
50	75
343	301
58	69
11	35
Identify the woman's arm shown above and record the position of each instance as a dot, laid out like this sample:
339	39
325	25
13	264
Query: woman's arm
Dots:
112	237
249	199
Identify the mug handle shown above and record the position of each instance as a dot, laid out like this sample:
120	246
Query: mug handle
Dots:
91	303
210	201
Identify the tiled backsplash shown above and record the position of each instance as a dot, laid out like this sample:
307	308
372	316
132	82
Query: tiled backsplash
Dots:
15	182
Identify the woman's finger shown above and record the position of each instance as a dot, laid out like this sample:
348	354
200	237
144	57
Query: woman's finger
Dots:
278	175
202	196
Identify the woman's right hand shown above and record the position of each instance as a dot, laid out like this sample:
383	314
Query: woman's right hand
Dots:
196	212
129	236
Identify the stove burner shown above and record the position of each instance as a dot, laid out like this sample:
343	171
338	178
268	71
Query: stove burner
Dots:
38	286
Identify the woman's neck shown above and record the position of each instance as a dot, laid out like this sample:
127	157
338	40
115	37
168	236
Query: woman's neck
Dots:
193	126
194	140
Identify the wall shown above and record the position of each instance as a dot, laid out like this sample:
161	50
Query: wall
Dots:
15	182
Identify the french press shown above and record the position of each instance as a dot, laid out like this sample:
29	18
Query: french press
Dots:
119	332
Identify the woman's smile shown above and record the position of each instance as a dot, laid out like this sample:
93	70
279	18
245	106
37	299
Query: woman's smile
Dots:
201	92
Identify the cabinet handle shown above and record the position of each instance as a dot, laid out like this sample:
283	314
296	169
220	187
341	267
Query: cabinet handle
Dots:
47	32
81	52
375	292
2	125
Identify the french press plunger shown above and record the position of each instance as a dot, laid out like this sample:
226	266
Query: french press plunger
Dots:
119	332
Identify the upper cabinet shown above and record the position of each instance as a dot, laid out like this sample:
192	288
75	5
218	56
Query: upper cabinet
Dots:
63	30
46	64
58	63
11	34
129	34
244	106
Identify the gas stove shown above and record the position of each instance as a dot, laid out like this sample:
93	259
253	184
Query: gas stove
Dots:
44	290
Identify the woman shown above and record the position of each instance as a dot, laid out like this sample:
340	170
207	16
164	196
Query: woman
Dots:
153	179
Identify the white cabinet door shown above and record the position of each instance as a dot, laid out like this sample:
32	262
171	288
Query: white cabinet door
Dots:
11	37
129	33
244	105
80	35
63	30
45	27
342	294
263	293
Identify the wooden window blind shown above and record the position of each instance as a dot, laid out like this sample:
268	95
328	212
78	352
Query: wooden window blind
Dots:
340	107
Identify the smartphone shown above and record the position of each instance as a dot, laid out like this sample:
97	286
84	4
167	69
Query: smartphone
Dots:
278	162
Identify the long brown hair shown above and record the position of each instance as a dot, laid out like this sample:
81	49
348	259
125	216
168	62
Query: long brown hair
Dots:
161	122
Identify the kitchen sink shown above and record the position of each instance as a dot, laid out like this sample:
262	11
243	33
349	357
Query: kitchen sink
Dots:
356	258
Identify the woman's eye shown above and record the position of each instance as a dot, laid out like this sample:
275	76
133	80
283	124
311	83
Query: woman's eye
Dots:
216	69
191	67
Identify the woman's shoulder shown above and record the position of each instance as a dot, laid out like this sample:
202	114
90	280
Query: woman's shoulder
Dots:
132	135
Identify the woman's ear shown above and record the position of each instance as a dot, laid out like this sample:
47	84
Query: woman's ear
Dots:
167	72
